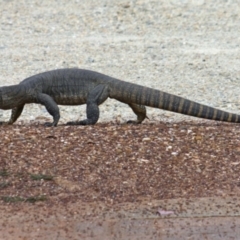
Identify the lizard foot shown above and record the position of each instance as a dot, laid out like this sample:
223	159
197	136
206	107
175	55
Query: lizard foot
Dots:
133	122
75	123
49	124
83	122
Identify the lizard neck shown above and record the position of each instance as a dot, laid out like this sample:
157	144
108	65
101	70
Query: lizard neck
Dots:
11	96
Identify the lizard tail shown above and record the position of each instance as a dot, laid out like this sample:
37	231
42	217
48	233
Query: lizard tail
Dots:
181	105
159	99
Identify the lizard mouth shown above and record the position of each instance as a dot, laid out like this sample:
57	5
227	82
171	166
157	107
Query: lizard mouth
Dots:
1	101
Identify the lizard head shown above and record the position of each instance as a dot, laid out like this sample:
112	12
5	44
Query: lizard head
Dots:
1	102
10	97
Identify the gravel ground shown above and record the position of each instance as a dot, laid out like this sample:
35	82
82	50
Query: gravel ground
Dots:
120	181
189	48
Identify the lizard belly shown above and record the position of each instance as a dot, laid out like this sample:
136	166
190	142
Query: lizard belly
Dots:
71	94
70	100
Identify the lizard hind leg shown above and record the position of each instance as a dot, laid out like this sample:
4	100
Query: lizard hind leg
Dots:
140	111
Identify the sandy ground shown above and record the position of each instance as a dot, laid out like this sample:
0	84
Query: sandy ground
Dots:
186	47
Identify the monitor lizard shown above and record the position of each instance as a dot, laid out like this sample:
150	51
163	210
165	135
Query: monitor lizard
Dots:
73	86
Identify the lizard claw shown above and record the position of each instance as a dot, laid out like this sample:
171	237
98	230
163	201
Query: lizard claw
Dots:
132	122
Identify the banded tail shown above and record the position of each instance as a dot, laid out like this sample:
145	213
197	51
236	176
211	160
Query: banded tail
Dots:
158	99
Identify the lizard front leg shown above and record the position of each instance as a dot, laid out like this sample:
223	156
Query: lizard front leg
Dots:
16	112
51	107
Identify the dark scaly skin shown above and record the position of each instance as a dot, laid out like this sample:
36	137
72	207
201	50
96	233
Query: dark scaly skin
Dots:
78	86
